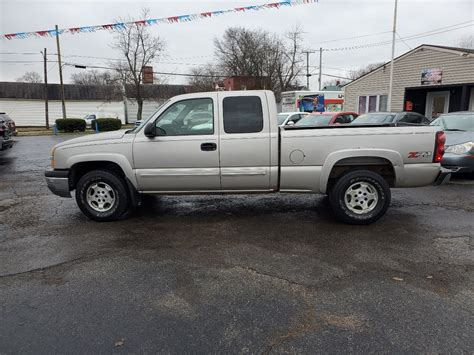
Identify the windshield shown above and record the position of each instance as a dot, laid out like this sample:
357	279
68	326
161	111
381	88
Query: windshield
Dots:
455	122
281	117
315	120
374	118
144	121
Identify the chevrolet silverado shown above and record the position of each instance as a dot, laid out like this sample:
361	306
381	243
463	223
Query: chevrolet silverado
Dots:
230	142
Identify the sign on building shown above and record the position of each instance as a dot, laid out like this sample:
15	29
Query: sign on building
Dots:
431	76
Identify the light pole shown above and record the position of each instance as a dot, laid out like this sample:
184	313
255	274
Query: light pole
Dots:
390	84
308	75
63	99
46	107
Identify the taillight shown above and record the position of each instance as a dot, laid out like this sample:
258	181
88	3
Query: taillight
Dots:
439	147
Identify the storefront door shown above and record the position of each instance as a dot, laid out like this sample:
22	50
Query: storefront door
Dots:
437	102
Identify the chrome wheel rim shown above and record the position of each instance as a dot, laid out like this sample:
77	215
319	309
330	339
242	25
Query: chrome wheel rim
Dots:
361	198
100	196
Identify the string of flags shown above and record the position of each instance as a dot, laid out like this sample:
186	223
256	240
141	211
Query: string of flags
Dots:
156	21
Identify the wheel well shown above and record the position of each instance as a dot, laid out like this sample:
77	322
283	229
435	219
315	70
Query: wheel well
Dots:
378	165
80	169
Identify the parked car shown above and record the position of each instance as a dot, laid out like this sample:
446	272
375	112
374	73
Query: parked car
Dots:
459	129
285	117
391	117
327	118
93	116
7	131
244	151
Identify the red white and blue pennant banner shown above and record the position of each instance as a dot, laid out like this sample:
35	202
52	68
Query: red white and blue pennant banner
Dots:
155	21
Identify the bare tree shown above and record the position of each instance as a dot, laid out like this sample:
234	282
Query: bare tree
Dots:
357	73
140	48
273	61
94	77
205	77
289	61
30	77
466	42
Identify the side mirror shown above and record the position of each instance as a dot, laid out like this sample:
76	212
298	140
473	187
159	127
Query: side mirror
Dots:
290	123
150	131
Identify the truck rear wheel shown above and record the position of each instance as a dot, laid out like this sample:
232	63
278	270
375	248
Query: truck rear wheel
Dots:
102	196
360	197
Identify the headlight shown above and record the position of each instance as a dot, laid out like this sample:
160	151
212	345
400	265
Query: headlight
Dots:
460	148
53	162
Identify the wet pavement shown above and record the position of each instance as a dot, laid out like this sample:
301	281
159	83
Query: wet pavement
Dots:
231	274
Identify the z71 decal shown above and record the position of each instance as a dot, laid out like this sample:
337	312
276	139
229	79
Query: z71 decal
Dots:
416	155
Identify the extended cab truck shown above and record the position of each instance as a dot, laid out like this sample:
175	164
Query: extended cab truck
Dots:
236	146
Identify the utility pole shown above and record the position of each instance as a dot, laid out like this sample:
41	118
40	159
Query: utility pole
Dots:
390	85
46	108
307	68
320	66
63	103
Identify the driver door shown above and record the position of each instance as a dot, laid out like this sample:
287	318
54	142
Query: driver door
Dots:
185	156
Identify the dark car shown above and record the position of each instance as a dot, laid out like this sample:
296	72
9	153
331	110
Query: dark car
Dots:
459	131
391	117
327	118
7	130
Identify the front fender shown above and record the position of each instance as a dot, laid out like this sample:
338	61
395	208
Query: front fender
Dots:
118	159
332	159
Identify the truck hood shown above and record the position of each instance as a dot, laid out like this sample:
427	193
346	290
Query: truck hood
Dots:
94	138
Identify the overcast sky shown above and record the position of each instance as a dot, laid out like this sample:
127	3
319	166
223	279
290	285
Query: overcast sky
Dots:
190	44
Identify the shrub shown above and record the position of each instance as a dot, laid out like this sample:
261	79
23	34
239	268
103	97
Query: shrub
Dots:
71	124
107	124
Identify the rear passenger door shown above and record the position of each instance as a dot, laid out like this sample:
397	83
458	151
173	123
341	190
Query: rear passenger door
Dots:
244	142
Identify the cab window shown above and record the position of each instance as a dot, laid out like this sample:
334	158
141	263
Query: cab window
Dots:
296	117
242	114
412	118
187	117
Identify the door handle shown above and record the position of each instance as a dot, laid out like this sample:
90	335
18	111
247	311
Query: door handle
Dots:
207	147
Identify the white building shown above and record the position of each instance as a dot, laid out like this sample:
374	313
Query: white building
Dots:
25	103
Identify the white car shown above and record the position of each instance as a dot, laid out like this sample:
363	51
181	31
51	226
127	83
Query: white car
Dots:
290	118
241	149
94	116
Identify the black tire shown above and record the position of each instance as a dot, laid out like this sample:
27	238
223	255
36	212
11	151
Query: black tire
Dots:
369	211
118	192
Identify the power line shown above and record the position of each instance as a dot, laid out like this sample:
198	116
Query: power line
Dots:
408	38
353	37
404	42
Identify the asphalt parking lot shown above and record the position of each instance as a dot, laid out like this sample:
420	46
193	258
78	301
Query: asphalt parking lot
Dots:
232	274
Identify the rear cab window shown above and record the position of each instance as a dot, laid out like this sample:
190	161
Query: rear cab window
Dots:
242	114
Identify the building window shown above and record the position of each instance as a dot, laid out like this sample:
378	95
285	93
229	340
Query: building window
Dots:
383	99
362	104
372	103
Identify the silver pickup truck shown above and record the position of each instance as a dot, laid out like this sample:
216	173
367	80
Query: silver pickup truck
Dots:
230	142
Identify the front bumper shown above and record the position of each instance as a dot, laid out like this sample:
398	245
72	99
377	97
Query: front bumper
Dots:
443	177
58	182
6	144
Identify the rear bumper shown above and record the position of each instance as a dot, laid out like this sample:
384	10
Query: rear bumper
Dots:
58	182
443	177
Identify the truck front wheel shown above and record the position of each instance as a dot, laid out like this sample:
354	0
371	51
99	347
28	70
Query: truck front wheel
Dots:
102	195
360	197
